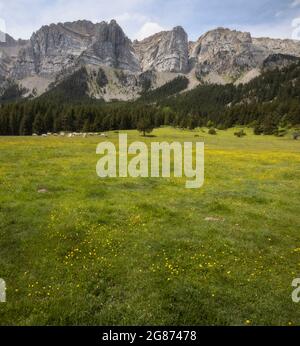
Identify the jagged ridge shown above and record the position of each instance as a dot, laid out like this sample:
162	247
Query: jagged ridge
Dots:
220	56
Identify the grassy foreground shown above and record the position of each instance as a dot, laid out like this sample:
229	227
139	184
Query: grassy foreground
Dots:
93	251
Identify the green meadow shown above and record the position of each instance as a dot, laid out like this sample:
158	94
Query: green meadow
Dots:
76	249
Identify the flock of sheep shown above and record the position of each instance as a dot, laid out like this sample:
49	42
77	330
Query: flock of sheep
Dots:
73	134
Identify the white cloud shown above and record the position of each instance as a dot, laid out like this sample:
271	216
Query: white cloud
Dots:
148	29
295	3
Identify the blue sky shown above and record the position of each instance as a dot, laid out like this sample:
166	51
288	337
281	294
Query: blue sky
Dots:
140	18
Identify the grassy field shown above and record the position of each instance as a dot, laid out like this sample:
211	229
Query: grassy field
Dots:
94	251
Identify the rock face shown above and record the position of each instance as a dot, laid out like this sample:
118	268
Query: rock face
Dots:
274	46
223	52
9	51
219	56
51	49
230	54
112	48
166	51
56	47
60	46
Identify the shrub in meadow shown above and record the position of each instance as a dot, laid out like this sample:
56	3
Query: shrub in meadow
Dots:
212	131
240	133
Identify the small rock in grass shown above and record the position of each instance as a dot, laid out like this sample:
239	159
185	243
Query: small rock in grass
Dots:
214	219
42	191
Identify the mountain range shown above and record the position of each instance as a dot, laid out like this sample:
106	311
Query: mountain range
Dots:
118	68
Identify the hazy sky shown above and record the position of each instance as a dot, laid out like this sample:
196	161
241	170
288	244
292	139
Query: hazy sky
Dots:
140	18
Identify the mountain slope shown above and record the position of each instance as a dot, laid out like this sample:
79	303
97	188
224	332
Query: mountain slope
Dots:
273	96
166	51
56	51
228	54
268	102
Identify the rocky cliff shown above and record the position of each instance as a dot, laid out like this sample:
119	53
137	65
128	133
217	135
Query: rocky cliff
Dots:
228	54
110	47
166	51
60	46
218	56
9	51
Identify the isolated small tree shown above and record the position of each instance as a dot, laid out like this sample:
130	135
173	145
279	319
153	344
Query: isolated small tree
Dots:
240	133
144	126
212	131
